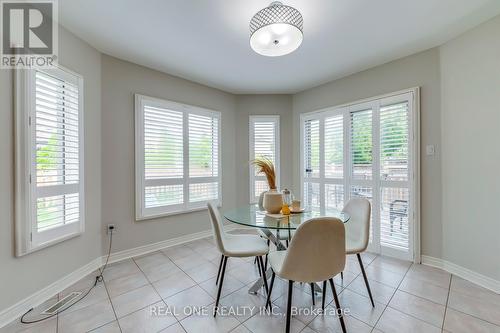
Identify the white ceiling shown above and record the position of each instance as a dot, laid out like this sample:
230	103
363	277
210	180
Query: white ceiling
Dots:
207	41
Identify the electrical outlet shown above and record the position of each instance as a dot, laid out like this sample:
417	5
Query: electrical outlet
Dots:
110	227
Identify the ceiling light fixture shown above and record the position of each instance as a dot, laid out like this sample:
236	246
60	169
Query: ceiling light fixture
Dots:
276	30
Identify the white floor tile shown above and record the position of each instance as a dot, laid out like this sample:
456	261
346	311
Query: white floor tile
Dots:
393	321
420	308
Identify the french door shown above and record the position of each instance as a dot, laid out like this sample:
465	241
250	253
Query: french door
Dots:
368	150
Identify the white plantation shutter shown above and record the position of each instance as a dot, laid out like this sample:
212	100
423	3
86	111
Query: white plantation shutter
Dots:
264	142
53	190
394	195
163	143
311	148
334	161
177	157
334	147
361	145
311	171
203	158
366	150
394	138
163	157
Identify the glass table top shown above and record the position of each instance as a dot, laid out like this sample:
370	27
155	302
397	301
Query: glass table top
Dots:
252	217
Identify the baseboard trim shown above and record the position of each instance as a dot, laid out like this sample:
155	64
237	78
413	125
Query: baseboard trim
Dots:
464	273
12	313
145	249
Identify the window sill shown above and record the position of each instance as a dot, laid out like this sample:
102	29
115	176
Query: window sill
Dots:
180	212
31	249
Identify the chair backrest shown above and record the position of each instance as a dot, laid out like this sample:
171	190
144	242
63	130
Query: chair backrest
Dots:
358	226
317	251
217	227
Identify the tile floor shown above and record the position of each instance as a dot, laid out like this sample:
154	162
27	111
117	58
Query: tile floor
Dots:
409	298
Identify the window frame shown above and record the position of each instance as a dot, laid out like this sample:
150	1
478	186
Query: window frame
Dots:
252	119
28	239
413	97
143	213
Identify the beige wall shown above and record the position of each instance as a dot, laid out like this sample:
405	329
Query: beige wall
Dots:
21	277
247	105
420	70
120	81
470	74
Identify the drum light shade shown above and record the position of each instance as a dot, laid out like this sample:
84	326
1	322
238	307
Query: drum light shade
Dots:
276	30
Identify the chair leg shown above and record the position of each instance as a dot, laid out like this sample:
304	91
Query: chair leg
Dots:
258	267
264	277
312	293
337	306
220	286
342	275
268	300
265	264
366	279
323	300
289	306
220	267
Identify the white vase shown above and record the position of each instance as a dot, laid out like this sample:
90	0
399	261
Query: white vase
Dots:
273	201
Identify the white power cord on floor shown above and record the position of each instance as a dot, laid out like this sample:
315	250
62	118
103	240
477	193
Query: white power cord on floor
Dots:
98	279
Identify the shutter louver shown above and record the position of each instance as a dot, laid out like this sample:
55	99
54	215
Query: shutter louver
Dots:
311	149
394	218
334	147
264	140
311	163
394	142
163	156
361	145
203	146
163	143
394	196
203	157
57	152
264	136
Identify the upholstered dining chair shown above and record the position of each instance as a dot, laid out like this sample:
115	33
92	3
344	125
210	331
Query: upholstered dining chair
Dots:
358	232
230	245
316	253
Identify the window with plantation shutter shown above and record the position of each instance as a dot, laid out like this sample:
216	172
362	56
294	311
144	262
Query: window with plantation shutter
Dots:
367	150
50	106
263	142
311	163
177	157
394	168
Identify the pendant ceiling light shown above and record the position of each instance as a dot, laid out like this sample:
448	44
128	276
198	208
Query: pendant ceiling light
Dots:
276	30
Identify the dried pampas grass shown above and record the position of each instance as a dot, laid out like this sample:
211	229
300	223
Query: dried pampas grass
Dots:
266	166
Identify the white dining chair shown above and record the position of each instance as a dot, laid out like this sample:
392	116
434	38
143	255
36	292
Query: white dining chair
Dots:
230	245
316	253
358	232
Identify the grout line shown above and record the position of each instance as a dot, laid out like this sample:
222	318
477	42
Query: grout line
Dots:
195	285
112	306
446	306
420	297
385	308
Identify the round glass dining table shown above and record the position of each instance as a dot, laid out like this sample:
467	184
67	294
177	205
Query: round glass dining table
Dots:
251	216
